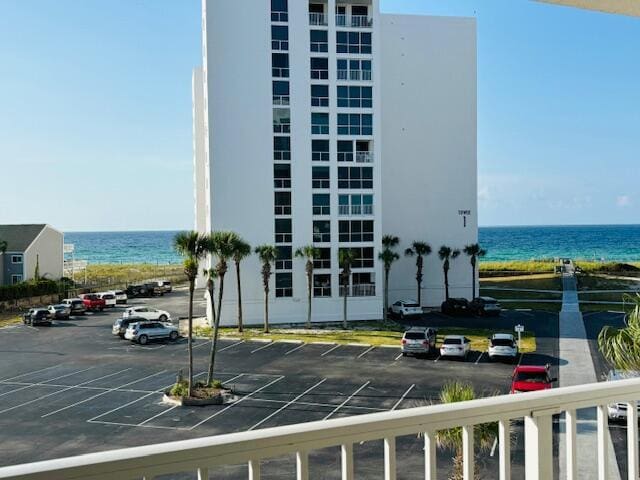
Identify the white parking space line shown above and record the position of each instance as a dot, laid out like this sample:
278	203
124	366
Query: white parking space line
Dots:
316	404
271	344
45	384
403	396
439	357
203	344
366	351
121	424
29	373
346	401
102	393
230	346
236	403
478	360
59	391
294	349
330	350
288	403
398	357
521	355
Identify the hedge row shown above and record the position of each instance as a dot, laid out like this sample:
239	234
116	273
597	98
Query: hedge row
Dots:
29	289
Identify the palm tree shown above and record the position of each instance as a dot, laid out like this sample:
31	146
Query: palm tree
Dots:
211	273
474	252
310	253
387	256
268	255
191	245
621	346
484	434
420	250
221	245
447	254
241	250
346	257
3	246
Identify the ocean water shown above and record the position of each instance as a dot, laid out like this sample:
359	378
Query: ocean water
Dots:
593	242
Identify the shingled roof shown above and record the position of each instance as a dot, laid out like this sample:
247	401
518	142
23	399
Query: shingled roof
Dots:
19	237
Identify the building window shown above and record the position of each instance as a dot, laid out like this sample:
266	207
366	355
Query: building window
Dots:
319	123
279	37
282	175
321	231
319	68
281	148
322	285
283	230
282	203
353	42
355	124
355	177
284	260
355	204
323	260
16	258
320	150
319	95
281	120
355	231
354	69
280	92
279	9
320	177
284	285
16	279
364	257
321	204
280	65
355	97
345	151
363	284
319	41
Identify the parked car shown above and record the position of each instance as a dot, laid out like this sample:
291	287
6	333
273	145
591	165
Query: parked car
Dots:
143	332
109	299
502	345
37	316
59	312
121	297
455	306
165	285
531	378
93	302
419	341
144	290
76	305
455	346
121	324
406	308
485	306
148	313
618	411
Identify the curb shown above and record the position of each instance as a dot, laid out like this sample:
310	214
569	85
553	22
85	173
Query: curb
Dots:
322	343
260	340
388	346
357	344
290	341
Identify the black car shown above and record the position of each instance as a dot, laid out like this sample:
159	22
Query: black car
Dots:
485	306
59	312
37	316
455	306
144	290
121	324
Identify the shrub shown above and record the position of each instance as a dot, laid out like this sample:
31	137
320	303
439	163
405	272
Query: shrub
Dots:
180	389
32	288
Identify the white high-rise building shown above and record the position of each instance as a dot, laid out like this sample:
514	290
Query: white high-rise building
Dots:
332	124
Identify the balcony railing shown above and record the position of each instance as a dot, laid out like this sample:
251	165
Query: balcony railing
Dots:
364	157
317	19
356	21
355	209
356	75
281	99
362	290
200	455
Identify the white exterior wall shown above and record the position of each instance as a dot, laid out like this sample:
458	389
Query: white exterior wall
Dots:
200	160
46	250
429	150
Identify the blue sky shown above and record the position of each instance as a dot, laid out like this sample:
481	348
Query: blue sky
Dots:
95	112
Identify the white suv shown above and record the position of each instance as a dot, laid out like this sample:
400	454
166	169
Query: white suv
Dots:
149	313
418	341
502	345
404	308
144	332
455	346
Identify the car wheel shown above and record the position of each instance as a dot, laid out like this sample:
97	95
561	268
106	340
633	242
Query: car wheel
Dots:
121	335
173	336
163	318
401	316
143	340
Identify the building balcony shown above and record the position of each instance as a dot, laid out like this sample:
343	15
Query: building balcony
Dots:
364	157
281	99
355	210
354	21
359	290
355	75
317	19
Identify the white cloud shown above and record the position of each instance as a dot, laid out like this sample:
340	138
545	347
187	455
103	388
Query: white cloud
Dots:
623	201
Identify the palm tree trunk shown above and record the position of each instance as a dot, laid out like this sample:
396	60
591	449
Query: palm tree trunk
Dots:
190	335
446	284
419	294
240	326
344	306
214	339
266	311
212	301
473	282
386	295
309	288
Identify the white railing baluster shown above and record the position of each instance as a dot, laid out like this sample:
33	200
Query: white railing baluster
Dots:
468	460
302	466
347	462
429	456
570	444
254	469
603	445
632	440
203	474
538	461
390	458
504	445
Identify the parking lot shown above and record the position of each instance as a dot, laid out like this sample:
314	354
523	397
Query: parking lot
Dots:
74	388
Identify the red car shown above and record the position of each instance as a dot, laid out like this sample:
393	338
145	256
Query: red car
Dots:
530	378
93	302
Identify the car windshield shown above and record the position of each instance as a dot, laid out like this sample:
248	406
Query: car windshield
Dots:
532	377
452	341
489	301
414	335
501	342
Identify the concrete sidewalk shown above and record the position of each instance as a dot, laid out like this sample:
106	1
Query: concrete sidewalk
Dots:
576	368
